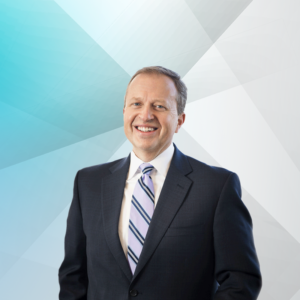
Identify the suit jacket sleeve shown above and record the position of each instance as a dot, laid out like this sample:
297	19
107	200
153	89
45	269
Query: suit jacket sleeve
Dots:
72	274
236	265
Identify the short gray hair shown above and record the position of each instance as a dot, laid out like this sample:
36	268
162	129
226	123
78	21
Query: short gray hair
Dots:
179	84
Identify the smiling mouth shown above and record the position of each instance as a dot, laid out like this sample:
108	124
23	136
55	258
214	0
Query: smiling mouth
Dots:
145	128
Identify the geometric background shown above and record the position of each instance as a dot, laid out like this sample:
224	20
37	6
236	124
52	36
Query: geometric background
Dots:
64	68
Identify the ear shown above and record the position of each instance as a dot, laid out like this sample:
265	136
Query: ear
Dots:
124	103
181	119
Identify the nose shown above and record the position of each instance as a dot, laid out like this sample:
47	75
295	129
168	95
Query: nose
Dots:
146	113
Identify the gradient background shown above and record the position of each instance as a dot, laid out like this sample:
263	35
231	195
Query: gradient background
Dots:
64	66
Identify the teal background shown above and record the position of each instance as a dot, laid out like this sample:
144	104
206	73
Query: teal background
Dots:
64	68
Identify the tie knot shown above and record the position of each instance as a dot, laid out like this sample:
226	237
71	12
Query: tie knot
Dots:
146	168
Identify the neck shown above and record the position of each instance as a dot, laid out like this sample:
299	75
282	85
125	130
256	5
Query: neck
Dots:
147	156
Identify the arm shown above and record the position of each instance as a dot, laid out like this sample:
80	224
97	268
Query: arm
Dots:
72	274
236	264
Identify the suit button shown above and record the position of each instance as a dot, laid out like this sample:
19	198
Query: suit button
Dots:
133	293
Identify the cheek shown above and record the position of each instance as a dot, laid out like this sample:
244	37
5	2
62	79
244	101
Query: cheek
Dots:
128	118
170	124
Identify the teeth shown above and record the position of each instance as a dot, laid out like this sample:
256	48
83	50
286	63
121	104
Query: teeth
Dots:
145	129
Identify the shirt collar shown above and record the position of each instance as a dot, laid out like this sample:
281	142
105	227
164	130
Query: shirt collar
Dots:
161	162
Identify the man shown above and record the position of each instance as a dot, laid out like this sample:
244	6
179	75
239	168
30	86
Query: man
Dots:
158	224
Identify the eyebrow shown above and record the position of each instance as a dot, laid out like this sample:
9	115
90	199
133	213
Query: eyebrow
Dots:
135	98
140	99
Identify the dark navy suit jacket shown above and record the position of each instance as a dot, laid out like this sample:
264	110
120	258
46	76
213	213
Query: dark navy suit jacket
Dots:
199	243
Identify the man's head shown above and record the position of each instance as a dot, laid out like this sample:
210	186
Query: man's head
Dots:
153	110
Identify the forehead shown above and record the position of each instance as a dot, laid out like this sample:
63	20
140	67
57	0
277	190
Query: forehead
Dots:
154	86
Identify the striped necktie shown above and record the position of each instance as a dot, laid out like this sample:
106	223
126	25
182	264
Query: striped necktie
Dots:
141	211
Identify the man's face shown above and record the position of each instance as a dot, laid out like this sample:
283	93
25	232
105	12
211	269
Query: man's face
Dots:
150	114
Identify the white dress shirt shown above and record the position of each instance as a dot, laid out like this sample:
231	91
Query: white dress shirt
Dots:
161	165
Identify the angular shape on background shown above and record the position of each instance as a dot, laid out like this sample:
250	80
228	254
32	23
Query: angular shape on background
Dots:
138	33
189	146
123	151
37	190
94	16
277	251
156	33
26	136
6	262
215	16
53	70
277	98
262	12
48	248
35	282
296	296
210	75
231	129
262	51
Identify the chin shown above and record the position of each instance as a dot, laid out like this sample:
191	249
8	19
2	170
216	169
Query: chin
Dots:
145	146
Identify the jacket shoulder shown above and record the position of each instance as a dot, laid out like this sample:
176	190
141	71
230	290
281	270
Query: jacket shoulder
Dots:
100	170
217	176
213	176
199	166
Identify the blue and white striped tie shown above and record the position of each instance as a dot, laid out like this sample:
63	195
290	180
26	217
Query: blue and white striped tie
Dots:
141	211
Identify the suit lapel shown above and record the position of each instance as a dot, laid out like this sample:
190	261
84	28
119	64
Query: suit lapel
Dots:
173	193
112	194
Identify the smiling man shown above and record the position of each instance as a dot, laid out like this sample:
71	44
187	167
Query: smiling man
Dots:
150	114
158	224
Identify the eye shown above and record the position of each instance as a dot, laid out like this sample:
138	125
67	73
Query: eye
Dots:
136	104
159	106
